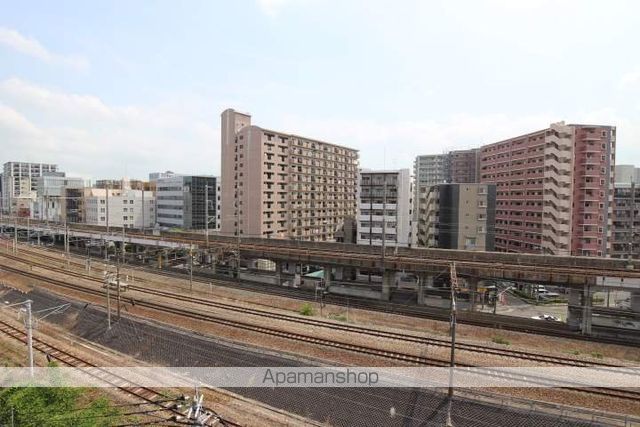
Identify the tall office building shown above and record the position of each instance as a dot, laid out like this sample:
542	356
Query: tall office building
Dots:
457	216
182	201
20	185
384	208
554	190
280	185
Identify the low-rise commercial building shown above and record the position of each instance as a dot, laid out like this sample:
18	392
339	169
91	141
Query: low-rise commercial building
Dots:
119	208
51	194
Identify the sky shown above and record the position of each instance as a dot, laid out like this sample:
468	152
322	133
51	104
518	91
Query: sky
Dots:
125	88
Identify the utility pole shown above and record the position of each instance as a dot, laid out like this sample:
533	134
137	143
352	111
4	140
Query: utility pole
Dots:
452	363
66	242
107	282
15	236
190	267
29	325
118	291
123	251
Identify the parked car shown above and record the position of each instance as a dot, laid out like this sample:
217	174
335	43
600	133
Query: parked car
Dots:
547	317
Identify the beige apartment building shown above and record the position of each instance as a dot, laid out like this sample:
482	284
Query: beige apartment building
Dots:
285	186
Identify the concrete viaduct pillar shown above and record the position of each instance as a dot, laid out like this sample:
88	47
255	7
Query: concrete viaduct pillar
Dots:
472	283
579	309
278	273
327	276
387	282
635	301
424	281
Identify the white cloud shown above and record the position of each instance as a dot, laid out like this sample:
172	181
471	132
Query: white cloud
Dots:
84	134
396	144
631	79
273	8
32	47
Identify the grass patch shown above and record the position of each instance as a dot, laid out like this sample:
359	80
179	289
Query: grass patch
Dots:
596	355
340	317
574	352
306	309
500	340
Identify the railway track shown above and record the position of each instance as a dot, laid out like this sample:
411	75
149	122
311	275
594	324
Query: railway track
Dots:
145	394
496	321
374	333
499	322
329	343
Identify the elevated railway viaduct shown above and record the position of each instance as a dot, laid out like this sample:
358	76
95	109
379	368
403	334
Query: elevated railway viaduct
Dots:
580	275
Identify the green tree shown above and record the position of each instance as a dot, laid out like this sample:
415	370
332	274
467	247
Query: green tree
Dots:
54	406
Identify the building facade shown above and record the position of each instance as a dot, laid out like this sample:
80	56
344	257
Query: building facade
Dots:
554	190
279	185
51	194
457	216
20	185
384	208
626	174
119	208
181	202
626	221
155	176
119	184
464	166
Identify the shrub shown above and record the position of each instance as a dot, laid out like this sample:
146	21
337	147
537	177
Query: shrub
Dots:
500	340
306	309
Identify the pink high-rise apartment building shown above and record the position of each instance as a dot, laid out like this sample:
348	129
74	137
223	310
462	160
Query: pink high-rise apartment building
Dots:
279	185
555	190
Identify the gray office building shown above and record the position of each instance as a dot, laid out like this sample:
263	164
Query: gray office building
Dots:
180	202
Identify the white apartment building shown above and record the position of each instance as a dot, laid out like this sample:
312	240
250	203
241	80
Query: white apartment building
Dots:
118	208
384	208
19	182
